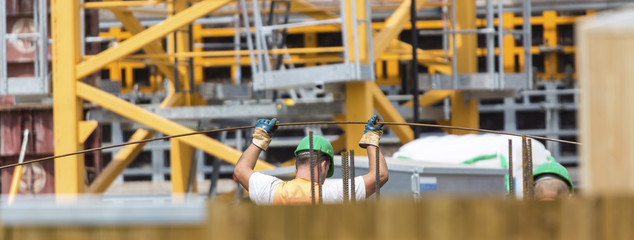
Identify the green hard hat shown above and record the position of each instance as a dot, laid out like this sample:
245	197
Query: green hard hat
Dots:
319	144
553	168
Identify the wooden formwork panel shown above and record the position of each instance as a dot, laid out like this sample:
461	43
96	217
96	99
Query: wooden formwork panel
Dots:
607	217
604	63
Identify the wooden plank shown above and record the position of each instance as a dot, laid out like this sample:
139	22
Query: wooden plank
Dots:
605	55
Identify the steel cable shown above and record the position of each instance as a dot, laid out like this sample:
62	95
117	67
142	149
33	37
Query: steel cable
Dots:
282	125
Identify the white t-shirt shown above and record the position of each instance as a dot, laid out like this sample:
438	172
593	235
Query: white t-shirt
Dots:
262	187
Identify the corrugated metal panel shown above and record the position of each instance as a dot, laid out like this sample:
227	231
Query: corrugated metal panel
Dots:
37	178
19	7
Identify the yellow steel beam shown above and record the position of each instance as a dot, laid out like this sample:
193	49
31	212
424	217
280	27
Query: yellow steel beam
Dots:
439	64
134	26
167	127
390	114
181	156
359	107
119	162
85	129
149	35
550	40
393	26
116	4
311	10
431	97
67	107
464	113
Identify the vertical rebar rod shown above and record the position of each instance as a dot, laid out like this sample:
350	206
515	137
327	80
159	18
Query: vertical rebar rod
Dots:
353	187
528	57
530	167
500	44
344	176
378	174
245	18
318	163
525	168
414	32
454	53
511	178
312	164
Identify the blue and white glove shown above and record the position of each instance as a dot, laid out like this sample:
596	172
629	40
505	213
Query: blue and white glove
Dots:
372	133
264	129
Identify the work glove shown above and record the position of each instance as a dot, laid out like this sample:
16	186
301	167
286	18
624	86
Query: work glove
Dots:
372	133
264	129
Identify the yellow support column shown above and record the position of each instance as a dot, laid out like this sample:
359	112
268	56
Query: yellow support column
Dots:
359	107
509	43
550	41
310	41
464	113
181	156
359	101
67	108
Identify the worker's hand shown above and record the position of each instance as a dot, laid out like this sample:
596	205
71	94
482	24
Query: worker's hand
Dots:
264	129
372	133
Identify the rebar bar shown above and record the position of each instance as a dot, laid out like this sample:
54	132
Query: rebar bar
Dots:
344	176
353	188
511	179
312	166
529	156
525	169
279	125
378	174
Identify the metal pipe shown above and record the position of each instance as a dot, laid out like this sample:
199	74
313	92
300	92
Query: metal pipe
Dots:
466	31
378	175
528	57
257	18
500	78
445	39
302	24
525	168
355	38
17	173
236	47
511	178
191	59
368	24
414	62
43	11
312	165
345	176
4	81
353	188
36	25
490	40
245	17
454	54
258	43
344	33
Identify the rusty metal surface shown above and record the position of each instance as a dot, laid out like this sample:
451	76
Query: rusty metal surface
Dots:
36	178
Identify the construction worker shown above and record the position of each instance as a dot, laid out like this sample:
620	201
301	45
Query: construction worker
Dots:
265	189
552	182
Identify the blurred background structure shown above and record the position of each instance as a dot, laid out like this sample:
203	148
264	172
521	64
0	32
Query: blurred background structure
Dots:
81	74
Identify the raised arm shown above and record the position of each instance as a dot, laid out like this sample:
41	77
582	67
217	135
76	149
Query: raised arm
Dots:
260	141
370	141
